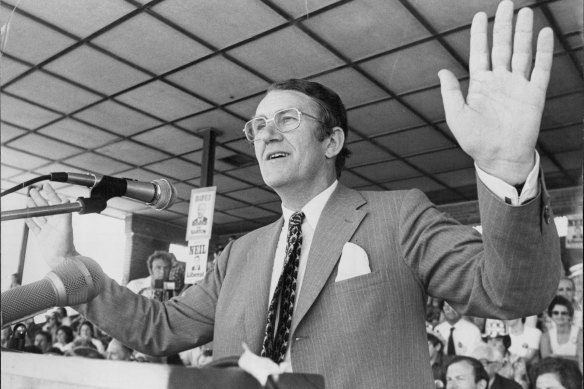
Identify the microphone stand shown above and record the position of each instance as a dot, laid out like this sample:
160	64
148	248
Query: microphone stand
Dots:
83	205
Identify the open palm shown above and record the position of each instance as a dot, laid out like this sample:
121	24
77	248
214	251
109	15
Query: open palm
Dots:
499	122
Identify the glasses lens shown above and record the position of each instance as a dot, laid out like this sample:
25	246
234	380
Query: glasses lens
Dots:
287	119
253	127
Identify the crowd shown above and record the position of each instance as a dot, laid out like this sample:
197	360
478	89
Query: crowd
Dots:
512	353
506	354
62	334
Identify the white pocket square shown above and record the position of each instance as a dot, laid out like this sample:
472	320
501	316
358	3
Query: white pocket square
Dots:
354	262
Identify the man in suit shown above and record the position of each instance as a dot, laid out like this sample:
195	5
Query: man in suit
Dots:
364	262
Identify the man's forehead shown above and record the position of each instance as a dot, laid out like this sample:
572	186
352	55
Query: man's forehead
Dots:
279	99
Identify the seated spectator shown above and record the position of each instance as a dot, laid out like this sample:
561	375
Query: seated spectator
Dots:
512	366
43	341
437	361
18	339
116	351
556	373
492	361
461	335
564	339
464	372
567	289
53	323
64	338
87	332
524	340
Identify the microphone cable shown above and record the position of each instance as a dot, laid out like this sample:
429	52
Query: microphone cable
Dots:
25	184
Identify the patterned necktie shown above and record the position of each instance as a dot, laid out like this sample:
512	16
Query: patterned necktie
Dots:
450	349
276	339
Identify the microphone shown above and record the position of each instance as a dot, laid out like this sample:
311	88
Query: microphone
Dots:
74	281
159	194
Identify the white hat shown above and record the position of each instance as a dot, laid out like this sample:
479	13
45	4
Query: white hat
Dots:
495	328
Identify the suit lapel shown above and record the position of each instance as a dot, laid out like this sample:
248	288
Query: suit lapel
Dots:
338	222
260	259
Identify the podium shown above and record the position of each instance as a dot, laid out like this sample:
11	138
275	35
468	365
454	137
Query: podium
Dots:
24	370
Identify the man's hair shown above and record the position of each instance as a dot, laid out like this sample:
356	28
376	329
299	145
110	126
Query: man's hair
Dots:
159	254
566	370
561	300
478	369
332	111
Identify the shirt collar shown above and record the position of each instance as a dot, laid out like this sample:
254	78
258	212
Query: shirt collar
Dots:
313	208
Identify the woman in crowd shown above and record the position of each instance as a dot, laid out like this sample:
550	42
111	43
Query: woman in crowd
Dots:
87	332
563	339
525	340
64	338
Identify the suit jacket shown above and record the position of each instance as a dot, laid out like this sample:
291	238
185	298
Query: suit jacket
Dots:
501	382
367	331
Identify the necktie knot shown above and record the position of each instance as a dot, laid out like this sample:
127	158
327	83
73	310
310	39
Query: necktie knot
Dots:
296	220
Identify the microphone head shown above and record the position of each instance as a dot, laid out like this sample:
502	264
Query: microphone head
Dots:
166	194
81	278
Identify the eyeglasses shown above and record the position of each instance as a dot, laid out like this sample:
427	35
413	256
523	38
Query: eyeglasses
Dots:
285	120
560	313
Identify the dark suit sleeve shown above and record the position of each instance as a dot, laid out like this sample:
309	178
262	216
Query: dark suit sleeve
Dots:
512	270
157	328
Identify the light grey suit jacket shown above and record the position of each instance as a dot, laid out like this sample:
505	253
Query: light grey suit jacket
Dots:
367	331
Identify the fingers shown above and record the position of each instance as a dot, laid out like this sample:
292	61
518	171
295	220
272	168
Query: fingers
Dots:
479	46
502	36
451	94
521	61
540	76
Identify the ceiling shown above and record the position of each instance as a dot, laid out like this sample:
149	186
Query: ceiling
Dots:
127	88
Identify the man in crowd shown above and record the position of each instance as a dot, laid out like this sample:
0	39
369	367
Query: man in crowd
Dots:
461	335
337	286
159	264
492	360
466	373
42	340
567	289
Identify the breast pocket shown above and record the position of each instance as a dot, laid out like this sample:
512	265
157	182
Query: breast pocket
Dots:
357	283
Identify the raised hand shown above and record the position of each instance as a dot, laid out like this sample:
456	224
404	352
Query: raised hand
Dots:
54	234
499	122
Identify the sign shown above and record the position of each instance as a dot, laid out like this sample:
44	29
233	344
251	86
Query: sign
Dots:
201	209
574	233
196	263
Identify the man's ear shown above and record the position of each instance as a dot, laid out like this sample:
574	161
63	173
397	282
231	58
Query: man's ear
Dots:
482	384
334	142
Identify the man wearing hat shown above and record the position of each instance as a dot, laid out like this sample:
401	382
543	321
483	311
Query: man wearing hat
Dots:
508	366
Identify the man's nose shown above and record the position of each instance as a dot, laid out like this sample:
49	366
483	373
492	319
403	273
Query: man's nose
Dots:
270	132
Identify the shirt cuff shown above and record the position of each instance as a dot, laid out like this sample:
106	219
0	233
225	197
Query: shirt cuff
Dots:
507	192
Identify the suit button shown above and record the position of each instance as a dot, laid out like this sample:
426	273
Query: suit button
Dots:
546	214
